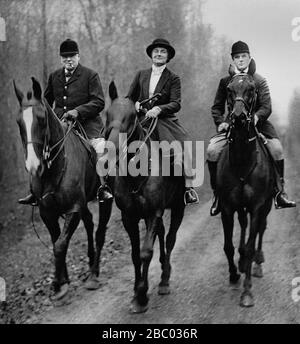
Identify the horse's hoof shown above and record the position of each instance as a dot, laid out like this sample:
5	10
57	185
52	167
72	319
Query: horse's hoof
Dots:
259	257
92	283
247	300
136	308
235	281
164	290
257	270
63	290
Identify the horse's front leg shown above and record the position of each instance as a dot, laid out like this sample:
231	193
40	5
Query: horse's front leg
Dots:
60	252
131	225
242	216
257	270
153	223
51	221
247	299
87	219
227	220
177	213
105	208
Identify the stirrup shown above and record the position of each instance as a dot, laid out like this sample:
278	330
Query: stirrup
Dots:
291	204
193	193
28	200
104	193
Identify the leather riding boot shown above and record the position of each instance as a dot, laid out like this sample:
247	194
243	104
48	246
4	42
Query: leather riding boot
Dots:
215	208
28	200
190	196
104	193
281	198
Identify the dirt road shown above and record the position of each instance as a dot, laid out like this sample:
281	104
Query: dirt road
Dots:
200	290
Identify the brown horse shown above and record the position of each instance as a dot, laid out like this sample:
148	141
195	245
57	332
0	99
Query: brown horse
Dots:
143	197
63	180
245	184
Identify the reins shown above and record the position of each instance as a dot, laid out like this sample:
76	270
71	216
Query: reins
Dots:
37	234
116	124
47	150
249	109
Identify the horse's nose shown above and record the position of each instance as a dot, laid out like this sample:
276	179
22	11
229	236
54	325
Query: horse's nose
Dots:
32	162
239	109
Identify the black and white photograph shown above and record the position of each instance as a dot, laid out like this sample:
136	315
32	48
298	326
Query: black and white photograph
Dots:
149	165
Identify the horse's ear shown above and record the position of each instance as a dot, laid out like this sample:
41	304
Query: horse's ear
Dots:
18	93
231	70
37	90
252	67
112	90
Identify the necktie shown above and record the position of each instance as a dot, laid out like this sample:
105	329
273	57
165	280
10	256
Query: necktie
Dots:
68	74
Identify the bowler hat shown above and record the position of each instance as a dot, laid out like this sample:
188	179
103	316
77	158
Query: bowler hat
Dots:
160	42
68	47
239	47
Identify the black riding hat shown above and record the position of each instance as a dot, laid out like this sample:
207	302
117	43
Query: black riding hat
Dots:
68	47
239	47
160	42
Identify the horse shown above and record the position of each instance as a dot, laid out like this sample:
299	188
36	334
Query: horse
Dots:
63	180
245	182
143	197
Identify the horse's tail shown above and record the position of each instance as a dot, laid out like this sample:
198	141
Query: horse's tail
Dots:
113	93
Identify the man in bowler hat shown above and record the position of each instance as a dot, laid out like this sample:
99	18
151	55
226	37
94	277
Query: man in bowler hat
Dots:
77	94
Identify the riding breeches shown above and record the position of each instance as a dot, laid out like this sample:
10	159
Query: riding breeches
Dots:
219	141
99	145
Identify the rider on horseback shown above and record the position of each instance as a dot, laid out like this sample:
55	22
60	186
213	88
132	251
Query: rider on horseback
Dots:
242	63
159	79
77	93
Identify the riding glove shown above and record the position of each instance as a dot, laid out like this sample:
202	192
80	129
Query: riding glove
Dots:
223	127
154	112
71	115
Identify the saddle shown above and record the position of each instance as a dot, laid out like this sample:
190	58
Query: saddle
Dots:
81	134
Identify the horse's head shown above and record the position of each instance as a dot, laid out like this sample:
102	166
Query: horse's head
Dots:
241	99
120	116
31	120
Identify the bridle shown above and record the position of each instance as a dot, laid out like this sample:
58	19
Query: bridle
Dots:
47	158
249	114
116	125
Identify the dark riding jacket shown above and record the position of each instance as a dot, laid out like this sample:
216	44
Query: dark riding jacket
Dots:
169	85
82	92
263	107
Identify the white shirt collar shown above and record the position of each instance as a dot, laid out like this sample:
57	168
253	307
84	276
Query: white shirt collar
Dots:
236	71
158	70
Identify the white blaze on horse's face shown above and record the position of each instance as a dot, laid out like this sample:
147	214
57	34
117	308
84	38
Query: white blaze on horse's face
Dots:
32	162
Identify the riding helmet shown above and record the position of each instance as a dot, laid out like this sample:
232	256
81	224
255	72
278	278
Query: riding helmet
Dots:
239	47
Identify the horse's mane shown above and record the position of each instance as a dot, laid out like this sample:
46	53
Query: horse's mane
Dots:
122	103
50	110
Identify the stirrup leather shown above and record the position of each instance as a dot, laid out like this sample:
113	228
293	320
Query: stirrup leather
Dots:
193	194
